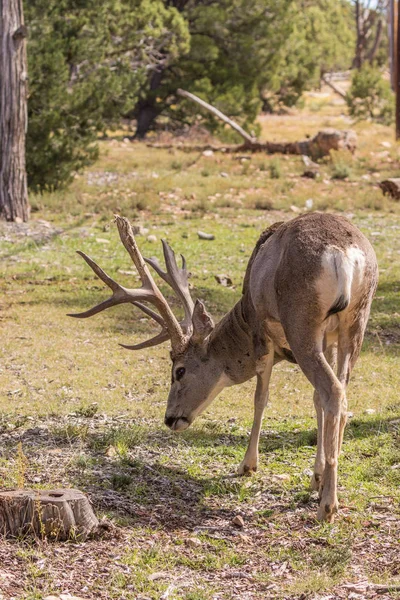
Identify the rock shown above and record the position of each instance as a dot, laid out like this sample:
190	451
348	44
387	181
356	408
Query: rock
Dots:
205	236
102	241
391	187
194	542
208	153
312	168
295	209
309	203
386	144
158	575
151	238
311	173
224	280
281	477
369	411
223	174
238	521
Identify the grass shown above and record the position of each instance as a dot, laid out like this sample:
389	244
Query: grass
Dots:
79	411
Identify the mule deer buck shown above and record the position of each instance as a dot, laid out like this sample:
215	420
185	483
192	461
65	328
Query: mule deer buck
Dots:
306	298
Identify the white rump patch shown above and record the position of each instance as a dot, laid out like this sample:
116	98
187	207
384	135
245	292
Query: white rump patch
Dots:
342	275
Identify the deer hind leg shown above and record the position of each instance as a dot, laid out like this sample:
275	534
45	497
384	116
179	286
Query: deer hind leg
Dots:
319	465
331	394
264	368
351	334
308	351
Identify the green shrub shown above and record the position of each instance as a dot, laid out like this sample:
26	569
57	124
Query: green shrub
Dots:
275	170
341	164
370	96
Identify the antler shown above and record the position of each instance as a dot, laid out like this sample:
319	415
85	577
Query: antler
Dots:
148	292
178	279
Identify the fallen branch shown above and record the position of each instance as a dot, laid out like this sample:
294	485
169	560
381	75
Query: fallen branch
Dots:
334	87
218	114
320	145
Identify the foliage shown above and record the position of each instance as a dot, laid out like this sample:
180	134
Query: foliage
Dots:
321	40
341	164
242	53
86	64
370	96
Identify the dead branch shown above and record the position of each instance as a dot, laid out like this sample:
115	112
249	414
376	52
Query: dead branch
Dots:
334	87
218	114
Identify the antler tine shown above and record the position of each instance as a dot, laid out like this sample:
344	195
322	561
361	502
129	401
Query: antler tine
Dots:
178	279
163	336
149	292
151	313
120	294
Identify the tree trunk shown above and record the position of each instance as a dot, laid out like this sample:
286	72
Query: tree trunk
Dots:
146	115
146	110
13	112
55	514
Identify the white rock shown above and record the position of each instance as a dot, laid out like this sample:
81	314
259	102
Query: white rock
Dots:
151	238
309	203
208	153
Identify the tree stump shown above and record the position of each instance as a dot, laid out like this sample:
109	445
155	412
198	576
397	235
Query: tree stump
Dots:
55	514
391	187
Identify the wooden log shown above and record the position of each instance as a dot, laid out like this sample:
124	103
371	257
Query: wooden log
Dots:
318	146
391	187
54	514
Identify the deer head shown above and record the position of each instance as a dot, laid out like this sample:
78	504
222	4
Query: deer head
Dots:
197	374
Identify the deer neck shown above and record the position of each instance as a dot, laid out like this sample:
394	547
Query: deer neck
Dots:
232	343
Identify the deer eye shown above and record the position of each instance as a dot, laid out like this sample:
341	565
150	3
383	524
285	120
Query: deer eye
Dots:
179	373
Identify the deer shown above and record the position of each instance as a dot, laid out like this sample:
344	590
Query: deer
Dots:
306	299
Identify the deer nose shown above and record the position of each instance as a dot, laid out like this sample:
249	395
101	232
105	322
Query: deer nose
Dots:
169	421
177	423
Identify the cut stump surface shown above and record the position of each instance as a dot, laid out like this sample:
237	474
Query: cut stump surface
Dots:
55	514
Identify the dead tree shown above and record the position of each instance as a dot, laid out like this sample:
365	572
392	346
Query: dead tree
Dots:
369	27
13	112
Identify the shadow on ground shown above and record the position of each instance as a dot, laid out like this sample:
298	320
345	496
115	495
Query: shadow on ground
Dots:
130	473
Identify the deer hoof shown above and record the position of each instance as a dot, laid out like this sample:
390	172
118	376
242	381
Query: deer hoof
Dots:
246	469
327	511
315	483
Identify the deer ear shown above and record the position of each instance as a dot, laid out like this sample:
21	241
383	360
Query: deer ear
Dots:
202	322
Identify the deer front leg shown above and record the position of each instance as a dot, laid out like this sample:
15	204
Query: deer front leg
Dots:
264	368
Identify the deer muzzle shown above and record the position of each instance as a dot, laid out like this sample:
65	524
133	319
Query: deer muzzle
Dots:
177	423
